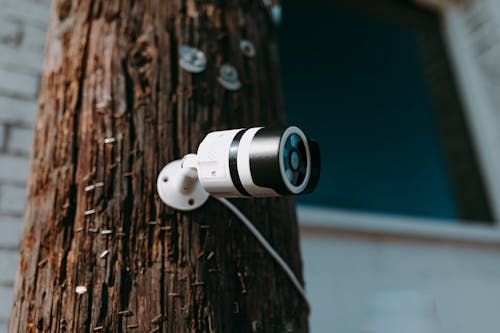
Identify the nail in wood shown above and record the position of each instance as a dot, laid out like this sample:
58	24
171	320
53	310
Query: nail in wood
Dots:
104	254
125	313
89	212
157	319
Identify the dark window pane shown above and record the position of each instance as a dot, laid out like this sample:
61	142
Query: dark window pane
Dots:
357	85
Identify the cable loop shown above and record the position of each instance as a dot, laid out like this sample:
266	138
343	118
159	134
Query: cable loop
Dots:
262	240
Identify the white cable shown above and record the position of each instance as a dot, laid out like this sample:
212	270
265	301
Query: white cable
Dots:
266	246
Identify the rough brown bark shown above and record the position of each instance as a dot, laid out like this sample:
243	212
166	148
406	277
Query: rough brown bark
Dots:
111	71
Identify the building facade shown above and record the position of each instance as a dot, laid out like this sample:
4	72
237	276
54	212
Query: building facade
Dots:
348	255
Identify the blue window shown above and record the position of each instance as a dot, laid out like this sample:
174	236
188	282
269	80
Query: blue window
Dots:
357	85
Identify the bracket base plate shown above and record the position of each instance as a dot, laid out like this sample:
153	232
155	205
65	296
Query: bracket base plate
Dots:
172	195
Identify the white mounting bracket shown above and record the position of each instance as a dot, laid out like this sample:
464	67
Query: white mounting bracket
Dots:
178	184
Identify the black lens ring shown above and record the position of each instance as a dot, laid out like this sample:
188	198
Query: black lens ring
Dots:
298	174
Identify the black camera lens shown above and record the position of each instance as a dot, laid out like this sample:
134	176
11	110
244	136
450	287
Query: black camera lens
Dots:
284	160
295	159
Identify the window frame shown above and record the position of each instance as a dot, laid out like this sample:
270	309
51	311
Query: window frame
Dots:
478	110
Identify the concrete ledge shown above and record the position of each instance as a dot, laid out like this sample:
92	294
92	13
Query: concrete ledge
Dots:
322	220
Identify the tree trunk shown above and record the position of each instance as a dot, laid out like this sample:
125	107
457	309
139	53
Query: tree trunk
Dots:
93	218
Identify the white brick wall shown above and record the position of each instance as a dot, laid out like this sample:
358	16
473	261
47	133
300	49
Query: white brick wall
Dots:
34	12
9	261
12	199
20	140
6	292
20	85
22	37
11	227
24	61
13	169
11	31
17	111
341	274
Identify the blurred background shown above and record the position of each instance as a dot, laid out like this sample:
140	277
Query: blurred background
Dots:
403	97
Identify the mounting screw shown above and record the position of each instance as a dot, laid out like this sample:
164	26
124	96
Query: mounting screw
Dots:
228	77
276	13
247	48
192	59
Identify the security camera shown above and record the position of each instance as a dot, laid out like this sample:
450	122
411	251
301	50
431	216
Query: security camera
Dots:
258	162
239	163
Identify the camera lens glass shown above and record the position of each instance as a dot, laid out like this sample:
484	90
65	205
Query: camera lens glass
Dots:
295	159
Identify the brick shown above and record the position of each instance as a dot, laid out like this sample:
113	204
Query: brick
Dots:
34	38
21	59
2	137
11	31
18	84
34	12
12	199
18	111
8	262
14	169
10	231
43	2
19	140
6	297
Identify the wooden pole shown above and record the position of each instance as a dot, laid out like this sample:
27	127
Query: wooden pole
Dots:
101	252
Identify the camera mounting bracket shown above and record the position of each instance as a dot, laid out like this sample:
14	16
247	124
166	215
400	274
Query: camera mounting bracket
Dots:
178	185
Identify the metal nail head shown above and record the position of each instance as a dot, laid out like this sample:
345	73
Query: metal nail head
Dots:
191	59
276	13
80	290
228	78
247	48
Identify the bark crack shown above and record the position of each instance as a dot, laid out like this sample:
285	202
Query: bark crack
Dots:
76	132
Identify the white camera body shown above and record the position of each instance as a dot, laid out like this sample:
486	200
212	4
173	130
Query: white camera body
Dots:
225	168
254	162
